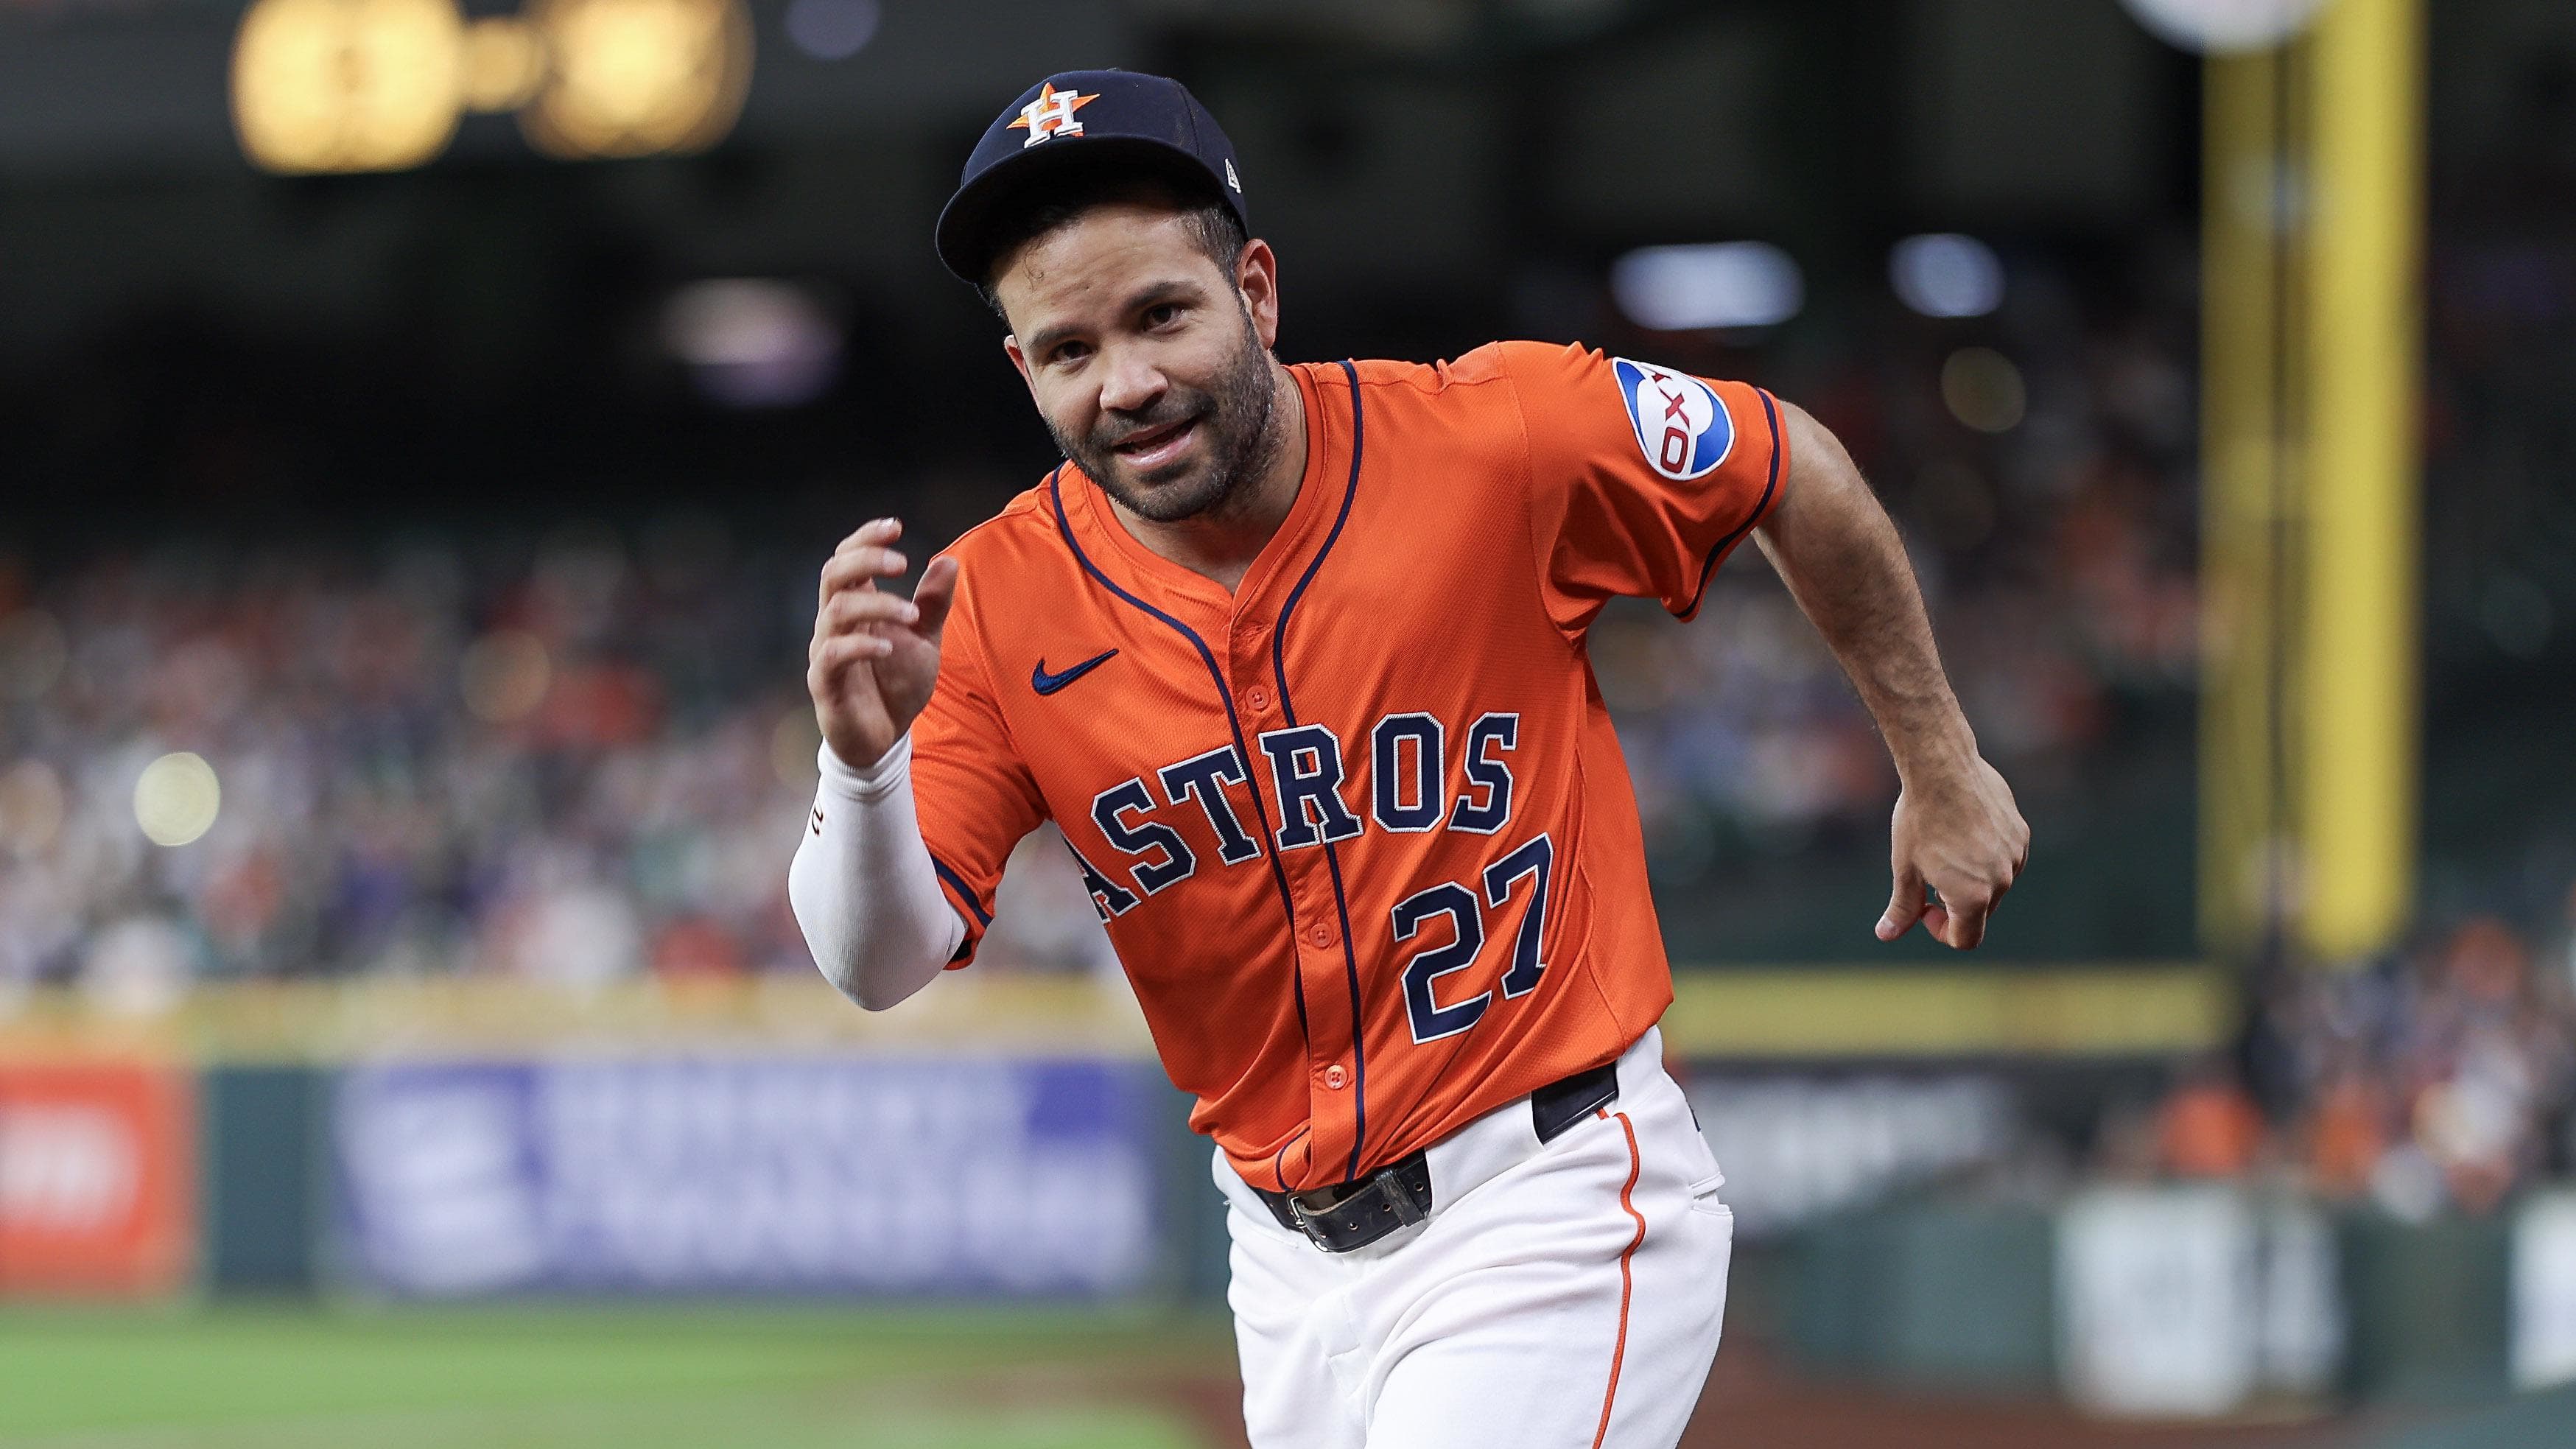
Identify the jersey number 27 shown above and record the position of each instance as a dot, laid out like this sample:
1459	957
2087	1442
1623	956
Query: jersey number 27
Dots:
1432	1021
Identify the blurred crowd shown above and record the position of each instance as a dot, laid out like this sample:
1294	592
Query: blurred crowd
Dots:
572	761
422	765
580	756
2436	1078
2041	465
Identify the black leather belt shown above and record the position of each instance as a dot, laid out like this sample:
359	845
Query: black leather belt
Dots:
1354	1214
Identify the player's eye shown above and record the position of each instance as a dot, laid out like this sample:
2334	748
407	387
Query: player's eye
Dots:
1162	314
1068	352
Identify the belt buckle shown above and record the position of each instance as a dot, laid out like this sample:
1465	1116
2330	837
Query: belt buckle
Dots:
1360	1203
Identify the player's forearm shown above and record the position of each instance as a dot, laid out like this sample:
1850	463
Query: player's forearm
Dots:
1843	562
863	886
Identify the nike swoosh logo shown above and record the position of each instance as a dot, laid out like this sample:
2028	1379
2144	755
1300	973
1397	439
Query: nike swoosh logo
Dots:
1045	683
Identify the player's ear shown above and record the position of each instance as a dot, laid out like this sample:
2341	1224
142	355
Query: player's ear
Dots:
1256	276
1019	359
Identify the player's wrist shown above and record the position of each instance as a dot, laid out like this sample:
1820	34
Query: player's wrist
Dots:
869	781
1934	752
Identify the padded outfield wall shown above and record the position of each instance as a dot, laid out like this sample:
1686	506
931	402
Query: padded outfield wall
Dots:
1012	1139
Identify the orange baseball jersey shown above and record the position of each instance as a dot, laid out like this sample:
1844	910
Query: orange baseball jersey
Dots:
1359	830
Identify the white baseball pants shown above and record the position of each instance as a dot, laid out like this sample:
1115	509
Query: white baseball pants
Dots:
1565	1296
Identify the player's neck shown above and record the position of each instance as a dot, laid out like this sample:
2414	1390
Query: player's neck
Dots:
1222	543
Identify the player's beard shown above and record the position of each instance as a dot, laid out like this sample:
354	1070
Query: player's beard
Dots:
1235	419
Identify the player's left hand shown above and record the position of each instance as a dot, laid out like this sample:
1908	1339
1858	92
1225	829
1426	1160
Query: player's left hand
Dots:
1957	831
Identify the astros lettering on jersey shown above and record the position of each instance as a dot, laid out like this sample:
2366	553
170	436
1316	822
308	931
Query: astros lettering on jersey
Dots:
1362	838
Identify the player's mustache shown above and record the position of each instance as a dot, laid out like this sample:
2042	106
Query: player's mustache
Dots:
1179	410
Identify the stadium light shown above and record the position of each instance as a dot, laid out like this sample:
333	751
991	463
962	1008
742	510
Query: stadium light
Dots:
2223	27
1944	274
638	77
753	343
346	85
503	64
379	85
176	799
1723	284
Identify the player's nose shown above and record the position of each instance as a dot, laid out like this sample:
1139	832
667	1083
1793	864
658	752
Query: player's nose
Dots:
1131	383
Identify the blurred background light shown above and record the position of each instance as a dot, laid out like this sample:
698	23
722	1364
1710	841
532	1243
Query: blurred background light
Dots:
502	64
1944	274
504	675
1983	389
379	85
753	342
1722	284
2223	26
832	29
346	85
639	77
176	798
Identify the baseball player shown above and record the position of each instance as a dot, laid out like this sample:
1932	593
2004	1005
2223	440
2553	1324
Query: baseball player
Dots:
1295	656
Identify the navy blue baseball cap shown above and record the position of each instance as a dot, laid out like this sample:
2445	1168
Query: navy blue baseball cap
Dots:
1112	118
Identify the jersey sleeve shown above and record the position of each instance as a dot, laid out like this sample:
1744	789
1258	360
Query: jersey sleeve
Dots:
974	795
1642	478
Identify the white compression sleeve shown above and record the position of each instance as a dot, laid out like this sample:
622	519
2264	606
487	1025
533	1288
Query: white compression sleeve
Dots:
863	887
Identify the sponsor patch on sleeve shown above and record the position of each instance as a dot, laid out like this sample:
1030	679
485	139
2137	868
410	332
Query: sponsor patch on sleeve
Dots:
1681	426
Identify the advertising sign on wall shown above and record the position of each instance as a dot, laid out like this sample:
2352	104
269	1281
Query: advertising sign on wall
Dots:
2186	1301
1796	1146
725	1174
96	1167
2544	1291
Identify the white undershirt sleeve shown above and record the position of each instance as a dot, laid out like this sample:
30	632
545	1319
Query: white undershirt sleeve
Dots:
863	886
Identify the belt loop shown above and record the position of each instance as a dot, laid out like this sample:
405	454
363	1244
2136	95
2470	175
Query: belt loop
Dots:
1560	1104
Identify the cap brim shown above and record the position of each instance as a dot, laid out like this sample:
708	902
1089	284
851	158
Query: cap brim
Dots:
966	224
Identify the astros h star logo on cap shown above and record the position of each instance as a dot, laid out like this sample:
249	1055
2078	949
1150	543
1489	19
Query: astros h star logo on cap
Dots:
1051	115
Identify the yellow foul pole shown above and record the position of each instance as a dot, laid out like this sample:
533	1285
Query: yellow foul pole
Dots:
2246	462
2354	780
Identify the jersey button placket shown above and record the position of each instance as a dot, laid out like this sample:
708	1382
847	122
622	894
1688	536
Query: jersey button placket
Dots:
1317	937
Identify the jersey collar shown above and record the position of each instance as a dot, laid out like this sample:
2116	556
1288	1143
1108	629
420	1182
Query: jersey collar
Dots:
1139	568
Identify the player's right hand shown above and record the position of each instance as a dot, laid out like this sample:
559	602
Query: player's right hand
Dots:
875	655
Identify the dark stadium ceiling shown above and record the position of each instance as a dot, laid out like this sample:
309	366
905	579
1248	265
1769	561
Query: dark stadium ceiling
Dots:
86	88
99	84
1496	149
1633	116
